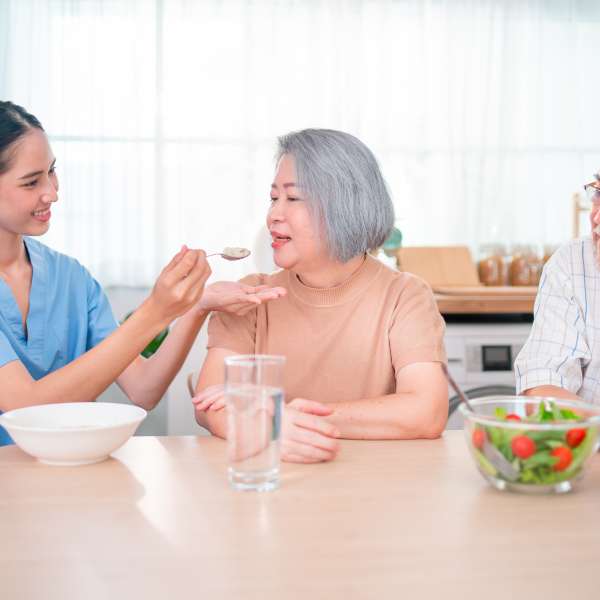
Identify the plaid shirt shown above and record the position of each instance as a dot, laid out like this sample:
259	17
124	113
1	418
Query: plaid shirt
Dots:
563	348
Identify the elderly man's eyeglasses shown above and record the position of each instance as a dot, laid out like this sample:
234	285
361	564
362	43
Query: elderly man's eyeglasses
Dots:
592	190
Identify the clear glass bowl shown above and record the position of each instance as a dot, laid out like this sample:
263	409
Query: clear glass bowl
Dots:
525	456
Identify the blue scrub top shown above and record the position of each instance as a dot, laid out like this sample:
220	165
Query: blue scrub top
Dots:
68	314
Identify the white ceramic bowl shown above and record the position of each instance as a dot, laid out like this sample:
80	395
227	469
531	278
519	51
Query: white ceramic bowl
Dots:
77	433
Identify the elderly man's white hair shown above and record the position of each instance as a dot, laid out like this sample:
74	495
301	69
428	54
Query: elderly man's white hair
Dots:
343	184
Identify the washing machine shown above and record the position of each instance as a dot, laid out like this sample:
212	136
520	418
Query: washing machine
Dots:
481	352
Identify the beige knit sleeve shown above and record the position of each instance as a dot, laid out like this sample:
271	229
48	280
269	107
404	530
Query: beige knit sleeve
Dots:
417	329
233	332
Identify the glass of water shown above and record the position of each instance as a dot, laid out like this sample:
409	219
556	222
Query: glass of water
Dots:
254	398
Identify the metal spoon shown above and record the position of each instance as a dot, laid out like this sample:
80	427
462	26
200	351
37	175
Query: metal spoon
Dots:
499	461
489	450
231	253
454	386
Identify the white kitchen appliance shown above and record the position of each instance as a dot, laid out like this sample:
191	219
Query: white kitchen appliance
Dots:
481	353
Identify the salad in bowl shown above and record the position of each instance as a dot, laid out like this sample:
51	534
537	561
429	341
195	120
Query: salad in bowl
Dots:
530	444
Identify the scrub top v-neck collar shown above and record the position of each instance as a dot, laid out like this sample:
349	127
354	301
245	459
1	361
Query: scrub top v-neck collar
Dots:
36	318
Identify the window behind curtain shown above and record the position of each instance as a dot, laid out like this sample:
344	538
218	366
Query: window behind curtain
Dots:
164	115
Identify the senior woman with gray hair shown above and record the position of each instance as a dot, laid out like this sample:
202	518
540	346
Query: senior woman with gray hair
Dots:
363	342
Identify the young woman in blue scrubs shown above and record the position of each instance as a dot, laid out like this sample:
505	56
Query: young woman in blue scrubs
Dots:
59	341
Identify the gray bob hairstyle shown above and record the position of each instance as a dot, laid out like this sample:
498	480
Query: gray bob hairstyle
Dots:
344	187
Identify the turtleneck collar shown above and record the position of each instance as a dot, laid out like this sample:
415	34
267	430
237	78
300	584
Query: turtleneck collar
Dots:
339	294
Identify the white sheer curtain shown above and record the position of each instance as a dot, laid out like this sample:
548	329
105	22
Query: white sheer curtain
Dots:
164	113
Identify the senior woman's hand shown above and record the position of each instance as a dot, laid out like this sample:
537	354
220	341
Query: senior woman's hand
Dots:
211	399
237	298
306	437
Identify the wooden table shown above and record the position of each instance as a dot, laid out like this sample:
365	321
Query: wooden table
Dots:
385	520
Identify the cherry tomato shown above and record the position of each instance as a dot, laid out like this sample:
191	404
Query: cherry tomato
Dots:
512	417
575	437
478	438
564	455
522	446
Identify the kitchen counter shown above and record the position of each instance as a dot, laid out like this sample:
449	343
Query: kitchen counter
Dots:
395	520
483	300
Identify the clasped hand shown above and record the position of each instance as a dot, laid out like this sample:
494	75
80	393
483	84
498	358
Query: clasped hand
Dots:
306	436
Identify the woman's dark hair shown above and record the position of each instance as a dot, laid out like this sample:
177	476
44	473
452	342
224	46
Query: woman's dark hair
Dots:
15	122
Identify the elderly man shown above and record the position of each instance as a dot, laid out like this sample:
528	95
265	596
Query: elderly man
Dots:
561	357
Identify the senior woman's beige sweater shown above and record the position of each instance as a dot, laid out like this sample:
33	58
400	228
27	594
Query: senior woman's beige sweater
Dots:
342	343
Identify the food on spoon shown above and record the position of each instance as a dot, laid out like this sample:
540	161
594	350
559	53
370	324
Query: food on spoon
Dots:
236	252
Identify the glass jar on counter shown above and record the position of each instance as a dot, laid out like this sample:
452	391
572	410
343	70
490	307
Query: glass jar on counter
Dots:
491	267
525	266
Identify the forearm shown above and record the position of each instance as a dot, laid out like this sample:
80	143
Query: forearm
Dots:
215	422
551	391
90	374
392	417
146	381
213	374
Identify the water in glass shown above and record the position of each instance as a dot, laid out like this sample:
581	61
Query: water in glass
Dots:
254	432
